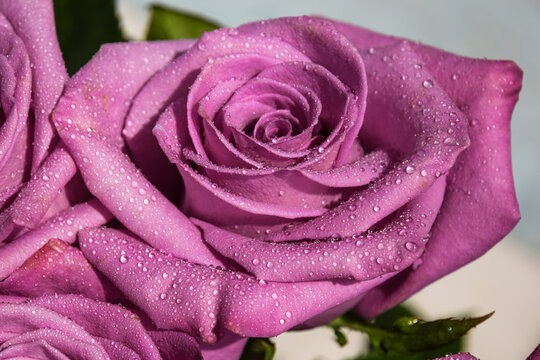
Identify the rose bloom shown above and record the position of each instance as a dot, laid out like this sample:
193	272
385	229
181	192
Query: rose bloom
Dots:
259	179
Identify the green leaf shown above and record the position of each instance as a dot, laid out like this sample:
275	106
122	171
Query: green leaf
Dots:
341	338
169	24
82	26
259	349
408	334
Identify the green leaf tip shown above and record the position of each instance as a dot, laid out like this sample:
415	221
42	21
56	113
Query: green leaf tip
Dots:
169	24
408	334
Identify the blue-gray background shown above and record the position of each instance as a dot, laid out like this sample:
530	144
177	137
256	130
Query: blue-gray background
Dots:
495	29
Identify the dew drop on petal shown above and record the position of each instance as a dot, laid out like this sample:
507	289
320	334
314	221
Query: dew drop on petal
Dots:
410	246
428	84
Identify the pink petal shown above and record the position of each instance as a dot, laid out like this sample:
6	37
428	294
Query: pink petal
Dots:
535	355
63	227
106	86
361	257
480	207
422	141
172	344
203	300
56	268
23	317
15	101
33	22
358	173
229	347
125	192
103	320
35	199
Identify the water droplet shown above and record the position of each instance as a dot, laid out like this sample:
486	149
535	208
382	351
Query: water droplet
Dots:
410	169
255	262
455	77
423	172
163	296
123	259
376	208
428	84
410	246
282	321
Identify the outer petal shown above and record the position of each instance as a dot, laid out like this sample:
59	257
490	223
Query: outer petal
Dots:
535	355
38	194
103	320
64	227
33	21
480	205
361	257
412	118
56	268
172	344
230	347
22	317
15	91
108	83
110	175
203	300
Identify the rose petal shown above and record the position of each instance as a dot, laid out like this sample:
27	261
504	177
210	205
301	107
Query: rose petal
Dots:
535	355
103	320
229	347
35	199
358	173
63	227
426	154
140	60
126	193
49	344
202	300
171	344
223	207
361	257
266	187
33	21
15	102
23	317
480	205
56	268
207	83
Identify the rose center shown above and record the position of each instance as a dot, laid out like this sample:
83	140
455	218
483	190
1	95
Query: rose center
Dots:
275	125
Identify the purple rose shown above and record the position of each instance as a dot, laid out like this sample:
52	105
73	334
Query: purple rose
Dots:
322	167
35	169
74	327
268	177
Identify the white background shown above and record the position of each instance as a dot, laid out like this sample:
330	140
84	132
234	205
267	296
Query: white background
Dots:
506	279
